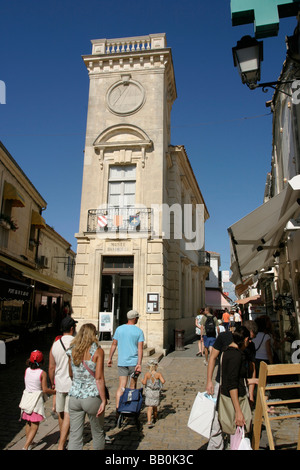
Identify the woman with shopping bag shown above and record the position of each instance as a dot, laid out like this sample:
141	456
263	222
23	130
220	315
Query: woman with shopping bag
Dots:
233	404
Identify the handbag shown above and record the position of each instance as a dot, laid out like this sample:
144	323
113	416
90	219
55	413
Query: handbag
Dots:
93	374
202	414
226	411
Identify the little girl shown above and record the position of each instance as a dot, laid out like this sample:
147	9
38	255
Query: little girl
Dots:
32	402
153	382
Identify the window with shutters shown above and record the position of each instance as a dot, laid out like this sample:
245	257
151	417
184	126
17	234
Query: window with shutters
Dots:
121	186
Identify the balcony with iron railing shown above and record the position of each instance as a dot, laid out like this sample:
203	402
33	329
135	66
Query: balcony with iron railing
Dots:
204	258
131	220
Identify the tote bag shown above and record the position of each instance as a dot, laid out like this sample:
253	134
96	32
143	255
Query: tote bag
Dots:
202	414
226	413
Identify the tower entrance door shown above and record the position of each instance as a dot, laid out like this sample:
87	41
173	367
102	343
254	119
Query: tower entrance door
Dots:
116	290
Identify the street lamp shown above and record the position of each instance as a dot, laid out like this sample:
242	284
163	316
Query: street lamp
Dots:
247	56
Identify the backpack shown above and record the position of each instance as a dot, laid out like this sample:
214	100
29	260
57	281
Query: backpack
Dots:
210	327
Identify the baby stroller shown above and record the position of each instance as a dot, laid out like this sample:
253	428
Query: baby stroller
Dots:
130	405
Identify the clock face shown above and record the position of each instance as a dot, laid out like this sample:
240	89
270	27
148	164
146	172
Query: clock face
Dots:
125	97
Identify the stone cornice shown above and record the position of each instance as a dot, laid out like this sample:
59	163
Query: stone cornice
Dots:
112	56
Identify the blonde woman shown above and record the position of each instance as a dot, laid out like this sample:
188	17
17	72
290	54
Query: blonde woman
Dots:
87	392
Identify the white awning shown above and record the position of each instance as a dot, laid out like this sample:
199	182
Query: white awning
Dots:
255	238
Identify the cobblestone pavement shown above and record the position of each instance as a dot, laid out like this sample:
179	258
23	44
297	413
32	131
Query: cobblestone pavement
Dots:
185	375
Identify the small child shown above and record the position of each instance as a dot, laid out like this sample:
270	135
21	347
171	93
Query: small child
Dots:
153	382
32	402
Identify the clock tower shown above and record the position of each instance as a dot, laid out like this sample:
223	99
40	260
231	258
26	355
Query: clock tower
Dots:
122	259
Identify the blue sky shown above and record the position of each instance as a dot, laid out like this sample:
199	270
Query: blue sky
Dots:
225	128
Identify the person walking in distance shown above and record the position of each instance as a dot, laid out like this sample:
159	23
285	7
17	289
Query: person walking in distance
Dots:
129	339
226	319
209	330
60	378
198	332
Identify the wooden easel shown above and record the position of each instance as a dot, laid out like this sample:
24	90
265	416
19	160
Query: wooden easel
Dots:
261	411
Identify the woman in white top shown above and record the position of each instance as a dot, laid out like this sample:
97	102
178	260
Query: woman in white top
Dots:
198	333
262	343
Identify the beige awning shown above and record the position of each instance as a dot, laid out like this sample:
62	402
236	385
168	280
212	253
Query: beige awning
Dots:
37	276
247	300
255	238
37	220
241	288
11	193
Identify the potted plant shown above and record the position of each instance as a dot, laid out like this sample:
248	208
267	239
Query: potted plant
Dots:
8	223
34	242
13	225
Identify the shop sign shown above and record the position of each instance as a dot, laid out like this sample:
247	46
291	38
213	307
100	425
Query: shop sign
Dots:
265	14
152	303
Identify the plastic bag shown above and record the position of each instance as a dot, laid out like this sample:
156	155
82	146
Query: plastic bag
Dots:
202	414
238	441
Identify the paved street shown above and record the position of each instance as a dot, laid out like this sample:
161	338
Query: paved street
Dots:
185	375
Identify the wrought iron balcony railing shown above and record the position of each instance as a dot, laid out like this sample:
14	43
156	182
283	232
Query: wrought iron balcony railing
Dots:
204	258
119	219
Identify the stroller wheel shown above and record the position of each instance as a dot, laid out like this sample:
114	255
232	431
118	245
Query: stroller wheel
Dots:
120	421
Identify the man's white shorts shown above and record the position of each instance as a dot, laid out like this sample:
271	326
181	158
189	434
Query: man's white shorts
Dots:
62	402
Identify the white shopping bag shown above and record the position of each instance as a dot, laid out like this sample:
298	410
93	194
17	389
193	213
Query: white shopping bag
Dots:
202	414
245	443
238	441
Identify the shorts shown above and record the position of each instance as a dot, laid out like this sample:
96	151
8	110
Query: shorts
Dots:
125	371
62	402
209	341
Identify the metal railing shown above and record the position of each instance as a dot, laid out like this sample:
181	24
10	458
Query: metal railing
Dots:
119	219
204	258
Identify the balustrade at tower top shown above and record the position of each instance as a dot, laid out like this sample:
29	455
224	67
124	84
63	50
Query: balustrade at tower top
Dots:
130	44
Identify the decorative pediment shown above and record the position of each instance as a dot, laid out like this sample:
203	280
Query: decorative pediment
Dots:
121	141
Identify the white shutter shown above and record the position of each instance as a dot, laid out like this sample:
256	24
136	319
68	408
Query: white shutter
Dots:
121	187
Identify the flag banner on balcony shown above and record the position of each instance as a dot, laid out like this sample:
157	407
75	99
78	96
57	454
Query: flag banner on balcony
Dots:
102	221
118	220
134	220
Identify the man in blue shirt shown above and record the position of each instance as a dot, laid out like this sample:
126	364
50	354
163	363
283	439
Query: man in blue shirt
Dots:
129	339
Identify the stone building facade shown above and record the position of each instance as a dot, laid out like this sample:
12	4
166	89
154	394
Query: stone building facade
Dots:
36	263
142	213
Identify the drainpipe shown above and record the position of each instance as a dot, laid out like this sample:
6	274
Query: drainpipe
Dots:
38	239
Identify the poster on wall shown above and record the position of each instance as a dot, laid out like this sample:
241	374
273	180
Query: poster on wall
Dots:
152	303
106	322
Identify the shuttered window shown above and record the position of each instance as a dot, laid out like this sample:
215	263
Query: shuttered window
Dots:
121	186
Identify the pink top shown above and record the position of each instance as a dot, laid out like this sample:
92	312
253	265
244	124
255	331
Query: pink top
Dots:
33	380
